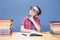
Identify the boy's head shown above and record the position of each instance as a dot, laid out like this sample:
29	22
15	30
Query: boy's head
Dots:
35	11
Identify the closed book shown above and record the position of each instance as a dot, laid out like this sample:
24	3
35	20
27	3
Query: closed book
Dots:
55	22
5	31
55	28
6	22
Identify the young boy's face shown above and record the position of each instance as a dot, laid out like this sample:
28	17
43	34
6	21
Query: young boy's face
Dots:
34	11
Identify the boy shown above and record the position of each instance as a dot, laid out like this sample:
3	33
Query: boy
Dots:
31	23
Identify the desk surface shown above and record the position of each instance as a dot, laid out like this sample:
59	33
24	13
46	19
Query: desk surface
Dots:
46	36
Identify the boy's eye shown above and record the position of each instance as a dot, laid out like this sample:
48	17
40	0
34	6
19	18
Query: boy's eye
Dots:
31	8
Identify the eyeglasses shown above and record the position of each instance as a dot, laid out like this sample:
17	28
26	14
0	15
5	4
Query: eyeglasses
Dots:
31	8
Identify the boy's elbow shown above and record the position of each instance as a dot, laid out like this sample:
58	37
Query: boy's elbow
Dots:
22	30
38	30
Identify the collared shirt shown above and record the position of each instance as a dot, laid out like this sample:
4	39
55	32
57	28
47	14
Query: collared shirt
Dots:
28	24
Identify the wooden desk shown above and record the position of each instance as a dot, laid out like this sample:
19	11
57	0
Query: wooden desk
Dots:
46	36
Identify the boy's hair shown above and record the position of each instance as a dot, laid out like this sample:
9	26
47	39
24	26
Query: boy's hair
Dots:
39	10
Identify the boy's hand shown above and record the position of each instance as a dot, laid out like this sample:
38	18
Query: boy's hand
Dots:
31	18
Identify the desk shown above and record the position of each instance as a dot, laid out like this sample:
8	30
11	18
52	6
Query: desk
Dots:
46	36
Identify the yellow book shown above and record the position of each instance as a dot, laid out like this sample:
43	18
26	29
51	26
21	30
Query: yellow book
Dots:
5	22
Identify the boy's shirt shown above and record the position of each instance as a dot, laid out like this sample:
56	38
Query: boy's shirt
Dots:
28	24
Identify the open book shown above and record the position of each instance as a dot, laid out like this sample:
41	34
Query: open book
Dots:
33	33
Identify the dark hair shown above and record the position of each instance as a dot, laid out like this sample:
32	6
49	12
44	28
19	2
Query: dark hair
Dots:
39	10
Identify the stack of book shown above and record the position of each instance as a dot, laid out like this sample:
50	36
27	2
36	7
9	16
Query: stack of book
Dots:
6	27
55	27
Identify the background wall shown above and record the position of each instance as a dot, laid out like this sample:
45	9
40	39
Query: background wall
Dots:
18	9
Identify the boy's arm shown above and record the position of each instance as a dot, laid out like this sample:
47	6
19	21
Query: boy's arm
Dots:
25	30
37	26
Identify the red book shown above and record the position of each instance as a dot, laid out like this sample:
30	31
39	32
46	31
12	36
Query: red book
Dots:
55	23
